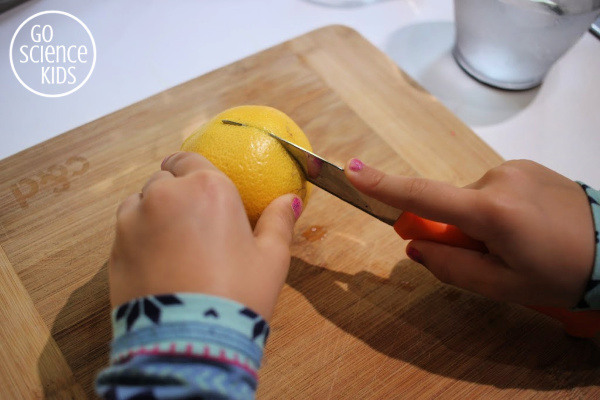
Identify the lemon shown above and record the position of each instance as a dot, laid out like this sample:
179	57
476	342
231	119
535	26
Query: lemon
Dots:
258	164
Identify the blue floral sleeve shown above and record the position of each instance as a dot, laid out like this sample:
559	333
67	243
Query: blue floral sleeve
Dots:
182	346
591	297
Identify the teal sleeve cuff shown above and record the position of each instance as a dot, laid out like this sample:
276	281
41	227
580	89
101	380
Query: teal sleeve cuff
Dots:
183	345
189	324
591	297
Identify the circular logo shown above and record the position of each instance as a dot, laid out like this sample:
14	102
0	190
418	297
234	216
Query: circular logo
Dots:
52	53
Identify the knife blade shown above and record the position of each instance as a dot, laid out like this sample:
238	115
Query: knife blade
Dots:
332	179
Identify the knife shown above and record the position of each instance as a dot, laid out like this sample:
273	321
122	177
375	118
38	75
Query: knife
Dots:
332	178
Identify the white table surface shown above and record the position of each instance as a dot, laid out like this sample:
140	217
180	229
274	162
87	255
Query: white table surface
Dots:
147	46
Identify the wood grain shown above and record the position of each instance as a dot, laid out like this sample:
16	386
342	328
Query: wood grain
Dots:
26	342
356	318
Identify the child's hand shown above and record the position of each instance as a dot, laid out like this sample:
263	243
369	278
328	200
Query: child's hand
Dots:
188	232
536	223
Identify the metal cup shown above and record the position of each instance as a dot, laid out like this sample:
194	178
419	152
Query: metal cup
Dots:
512	44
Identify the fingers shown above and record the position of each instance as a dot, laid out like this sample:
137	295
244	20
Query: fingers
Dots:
474	271
177	164
185	163
128	204
275	226
433	200
158	176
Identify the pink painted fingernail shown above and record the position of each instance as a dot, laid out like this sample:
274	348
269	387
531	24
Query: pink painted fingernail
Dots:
414	254
297	207
356	165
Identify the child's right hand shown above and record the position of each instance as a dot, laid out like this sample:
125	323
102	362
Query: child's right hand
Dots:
536	223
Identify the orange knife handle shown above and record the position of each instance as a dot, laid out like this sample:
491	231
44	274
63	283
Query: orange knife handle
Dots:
582	324
410	226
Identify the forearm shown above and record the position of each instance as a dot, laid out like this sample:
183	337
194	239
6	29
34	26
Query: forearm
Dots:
184	346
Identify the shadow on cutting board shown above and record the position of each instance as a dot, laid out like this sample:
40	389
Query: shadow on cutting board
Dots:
85	343
450	332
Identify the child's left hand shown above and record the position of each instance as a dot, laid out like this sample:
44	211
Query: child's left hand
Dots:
187	231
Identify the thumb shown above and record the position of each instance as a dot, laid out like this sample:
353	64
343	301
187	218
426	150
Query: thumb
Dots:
275	227
477	272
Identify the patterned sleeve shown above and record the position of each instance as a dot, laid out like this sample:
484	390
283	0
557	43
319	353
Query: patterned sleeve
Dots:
183	346
591	297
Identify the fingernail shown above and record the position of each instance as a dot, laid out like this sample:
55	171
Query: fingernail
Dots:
297	207
162	164
414	254
356	165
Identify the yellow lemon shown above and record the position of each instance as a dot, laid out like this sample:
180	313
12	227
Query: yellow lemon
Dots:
258	165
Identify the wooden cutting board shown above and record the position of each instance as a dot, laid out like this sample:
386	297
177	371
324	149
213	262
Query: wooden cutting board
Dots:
357	319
